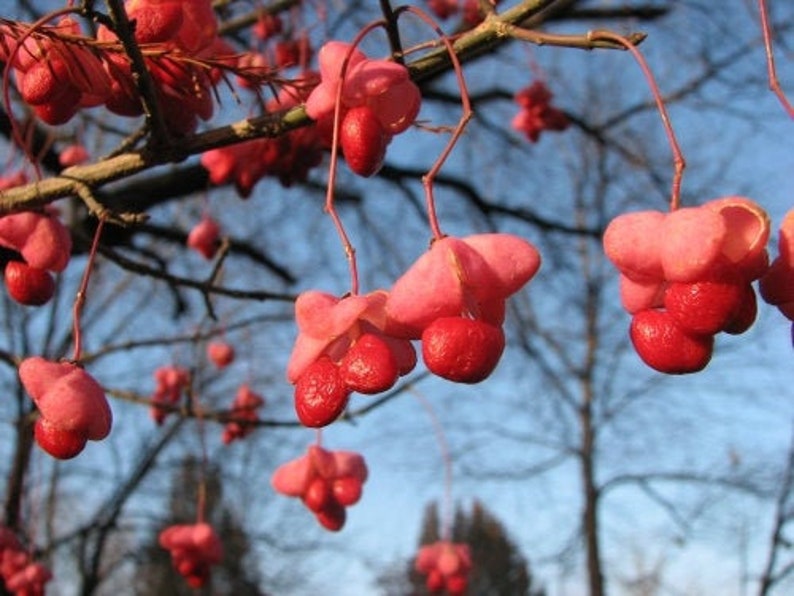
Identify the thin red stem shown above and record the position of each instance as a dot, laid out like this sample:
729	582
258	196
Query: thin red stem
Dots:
678	157
330	207
429	177
446	505
774	83
82	291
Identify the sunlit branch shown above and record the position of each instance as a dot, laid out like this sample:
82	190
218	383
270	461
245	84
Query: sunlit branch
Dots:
581	42
483	38
185	339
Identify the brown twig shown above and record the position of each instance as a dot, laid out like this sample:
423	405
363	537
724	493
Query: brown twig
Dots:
202	286
573	41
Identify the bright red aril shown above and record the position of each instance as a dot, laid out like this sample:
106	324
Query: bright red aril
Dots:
462	350
332	517
703	307
28	285
363	141
369	366
320	394
747	313
347	490
664	346
318	495
59	443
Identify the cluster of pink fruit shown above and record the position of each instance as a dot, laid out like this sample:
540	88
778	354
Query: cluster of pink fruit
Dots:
342	347
171	381
21	574
280	46
204	238
469	10
446	565
246	403
536	113
326	481
288	157
58	78
686	275
220	353
378	100
287	52
194	548
39	245
452	299
72	406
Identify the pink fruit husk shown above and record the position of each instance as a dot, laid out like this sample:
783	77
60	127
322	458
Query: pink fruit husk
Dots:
292	478
636	295
693	238
632	241
470	276
350	463
324	319
748	231
67	397
41	239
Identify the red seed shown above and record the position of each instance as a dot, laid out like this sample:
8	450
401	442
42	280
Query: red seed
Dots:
28	285
369	366
320	394
333	517
703	307
318	495
58	443
664	346
363	141
347	490
747	313
462	350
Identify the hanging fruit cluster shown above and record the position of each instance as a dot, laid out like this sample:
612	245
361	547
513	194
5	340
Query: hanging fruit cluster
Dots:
686	276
